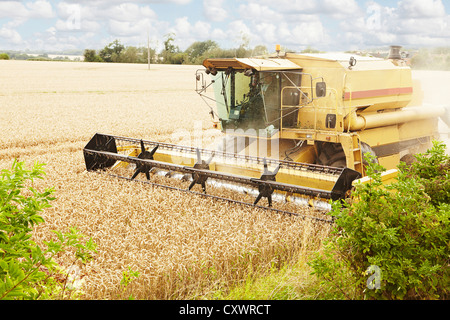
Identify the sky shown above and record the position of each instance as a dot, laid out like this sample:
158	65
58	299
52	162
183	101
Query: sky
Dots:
328	25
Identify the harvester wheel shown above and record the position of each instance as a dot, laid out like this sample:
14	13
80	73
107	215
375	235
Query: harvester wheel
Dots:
409	159
342	163
365	148
332	155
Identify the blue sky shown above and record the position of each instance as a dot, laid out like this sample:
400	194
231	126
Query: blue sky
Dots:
330	25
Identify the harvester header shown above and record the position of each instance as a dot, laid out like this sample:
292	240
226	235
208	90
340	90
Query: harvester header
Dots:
113	155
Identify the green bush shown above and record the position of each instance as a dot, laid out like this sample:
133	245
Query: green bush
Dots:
4	56
432	169
28	271
392	242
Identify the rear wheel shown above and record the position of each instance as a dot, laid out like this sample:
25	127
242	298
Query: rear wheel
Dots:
332	154
365	148
409	159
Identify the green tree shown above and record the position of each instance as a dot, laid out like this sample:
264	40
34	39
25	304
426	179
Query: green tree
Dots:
171	50
402	230
112	52
260	50
131	55
199	50
243	50
91	56
27	270
137	55
432	170
177	58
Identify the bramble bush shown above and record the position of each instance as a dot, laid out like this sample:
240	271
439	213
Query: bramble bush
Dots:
401	231
28	271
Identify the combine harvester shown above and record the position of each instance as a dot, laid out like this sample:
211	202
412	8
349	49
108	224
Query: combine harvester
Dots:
297	127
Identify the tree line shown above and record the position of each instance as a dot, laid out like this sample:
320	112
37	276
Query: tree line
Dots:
171	53
425	58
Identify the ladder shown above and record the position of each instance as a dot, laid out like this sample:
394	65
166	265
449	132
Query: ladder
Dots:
357	154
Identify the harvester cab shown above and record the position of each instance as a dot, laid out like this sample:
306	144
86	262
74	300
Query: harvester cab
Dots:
249	93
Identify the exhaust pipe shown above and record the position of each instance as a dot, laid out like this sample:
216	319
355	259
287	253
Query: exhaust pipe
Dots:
394	53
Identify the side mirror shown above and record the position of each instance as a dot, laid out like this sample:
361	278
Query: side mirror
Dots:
321	89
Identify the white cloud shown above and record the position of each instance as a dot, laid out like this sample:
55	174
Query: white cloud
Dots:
308	33
267	31
17	10
10	9
256	12
186	33
214	11
218	35
10	36
411	23
421	8
341	9
238	29
292	6
129	12
323	24
338	8
73	25
431	26
201	29
40	9
19	13
108	3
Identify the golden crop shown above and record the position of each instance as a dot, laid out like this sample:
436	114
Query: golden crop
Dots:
183	245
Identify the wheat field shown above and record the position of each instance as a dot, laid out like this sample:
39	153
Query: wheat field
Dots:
183	246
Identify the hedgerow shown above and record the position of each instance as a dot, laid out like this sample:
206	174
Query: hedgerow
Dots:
391	242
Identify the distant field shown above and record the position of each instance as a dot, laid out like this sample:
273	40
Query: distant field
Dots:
183	246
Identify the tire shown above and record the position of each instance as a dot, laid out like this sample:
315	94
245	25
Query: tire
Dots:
342	163
365	148
409	159
332	155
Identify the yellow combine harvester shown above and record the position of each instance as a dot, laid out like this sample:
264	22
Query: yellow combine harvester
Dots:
309	117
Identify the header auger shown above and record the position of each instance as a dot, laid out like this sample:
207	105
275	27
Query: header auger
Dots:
297	128
130	158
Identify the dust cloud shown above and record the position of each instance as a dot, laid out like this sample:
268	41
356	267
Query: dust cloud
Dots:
435	86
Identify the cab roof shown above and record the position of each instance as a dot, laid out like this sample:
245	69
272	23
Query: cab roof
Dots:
259	64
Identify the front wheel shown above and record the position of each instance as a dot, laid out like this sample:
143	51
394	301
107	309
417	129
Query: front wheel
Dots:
332	155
